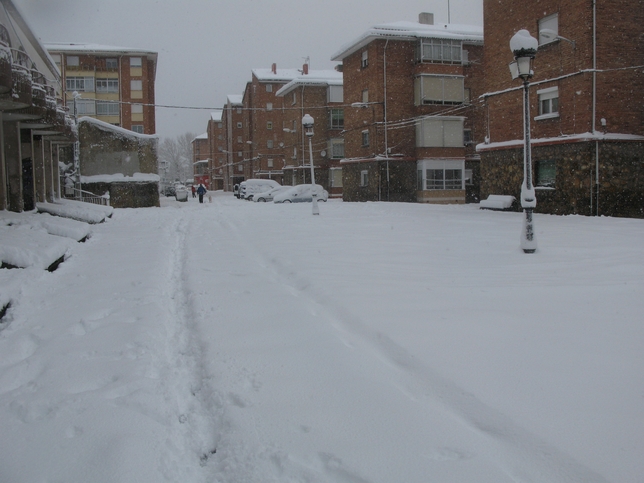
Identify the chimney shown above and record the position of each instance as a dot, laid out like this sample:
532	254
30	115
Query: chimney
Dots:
274	68
305	69
426	18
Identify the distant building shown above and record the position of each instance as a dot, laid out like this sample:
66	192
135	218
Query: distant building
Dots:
411	124
217	158
587	113
201	160
234	118
116	85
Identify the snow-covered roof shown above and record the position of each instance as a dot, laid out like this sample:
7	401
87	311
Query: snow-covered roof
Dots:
97	49
201	136
313	78
122	131
267	75
216	116
235	99
411	31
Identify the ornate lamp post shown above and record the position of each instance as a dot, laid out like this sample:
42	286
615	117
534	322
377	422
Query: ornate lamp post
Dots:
524	47
307	124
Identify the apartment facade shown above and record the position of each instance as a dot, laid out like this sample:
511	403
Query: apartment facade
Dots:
235	123
410	124
35	130
264	139
587	113
318	93
113	84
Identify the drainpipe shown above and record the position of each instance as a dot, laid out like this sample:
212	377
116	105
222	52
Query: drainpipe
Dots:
384	69
595	109
3	170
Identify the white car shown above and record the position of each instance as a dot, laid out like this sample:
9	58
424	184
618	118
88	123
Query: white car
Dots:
270	194
248	188
300	193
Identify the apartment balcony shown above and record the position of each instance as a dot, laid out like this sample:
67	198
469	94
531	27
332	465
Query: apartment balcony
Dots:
20	96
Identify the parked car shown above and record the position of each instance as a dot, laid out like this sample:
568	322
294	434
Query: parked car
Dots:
300	193
248	188
270	194
169	191
236	191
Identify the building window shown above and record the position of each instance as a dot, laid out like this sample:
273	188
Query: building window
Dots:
73	61
239	139
548	103
364	62
136	85
294	98
336	148
335	94
240	168
365	96
269	144
80	84
105	86
437	132
269	125
337	119
239	125
135	62
335	177
546	172
240	154
85	107
137	108
269	87
441	51
269	106
548	29
138	128
269	163
111	64
365	138
107	108
440	174
437	89
467	137
364	178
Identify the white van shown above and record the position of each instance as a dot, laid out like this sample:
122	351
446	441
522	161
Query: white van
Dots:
251	186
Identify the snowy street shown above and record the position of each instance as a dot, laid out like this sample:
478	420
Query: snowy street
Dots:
376	343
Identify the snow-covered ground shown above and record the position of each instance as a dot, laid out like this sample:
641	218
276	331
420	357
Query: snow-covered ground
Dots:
375	343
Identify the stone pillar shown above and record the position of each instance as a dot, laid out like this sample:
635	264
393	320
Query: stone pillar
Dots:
50	181
13	162
39	168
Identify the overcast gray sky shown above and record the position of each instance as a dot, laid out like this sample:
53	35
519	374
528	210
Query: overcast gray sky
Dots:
207	48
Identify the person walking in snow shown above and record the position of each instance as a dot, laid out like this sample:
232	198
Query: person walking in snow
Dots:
201	191
193	191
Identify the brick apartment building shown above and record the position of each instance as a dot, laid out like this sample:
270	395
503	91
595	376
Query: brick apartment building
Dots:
264	143
587	112
410	127
234	122
201	160
318	93
116	85
217	158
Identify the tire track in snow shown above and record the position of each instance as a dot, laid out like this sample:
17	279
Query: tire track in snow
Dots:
525	457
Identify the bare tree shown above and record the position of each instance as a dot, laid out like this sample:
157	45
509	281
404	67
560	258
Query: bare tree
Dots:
175	157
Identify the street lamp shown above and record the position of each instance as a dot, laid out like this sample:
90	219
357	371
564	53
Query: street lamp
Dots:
307	124
524	47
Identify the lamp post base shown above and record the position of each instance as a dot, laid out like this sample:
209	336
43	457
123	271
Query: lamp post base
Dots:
314	205
528	239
